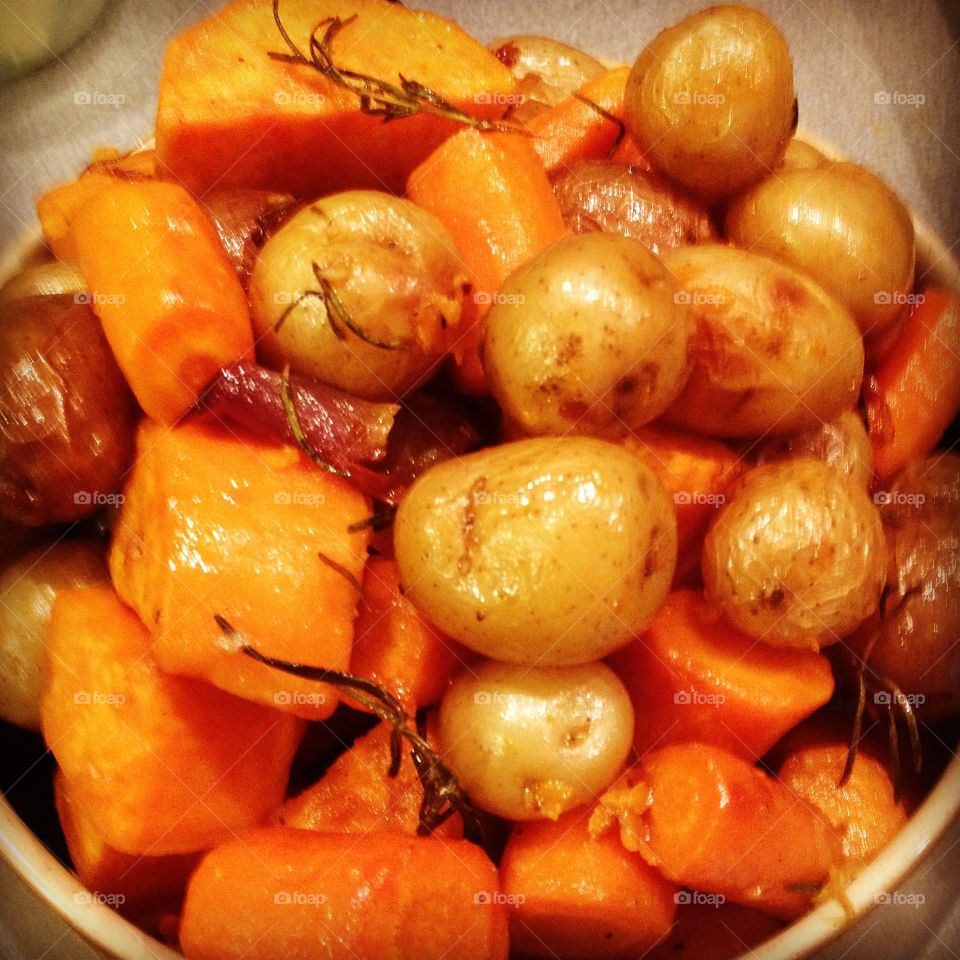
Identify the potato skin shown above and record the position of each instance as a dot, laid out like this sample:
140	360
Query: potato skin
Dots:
842	443
611	197
710	100
66	434
796	556
530	743
587	338
773	353
397	274
548	551
839	224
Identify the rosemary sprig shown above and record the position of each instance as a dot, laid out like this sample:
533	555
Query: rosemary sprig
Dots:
442	794
378	98
293	419
328	561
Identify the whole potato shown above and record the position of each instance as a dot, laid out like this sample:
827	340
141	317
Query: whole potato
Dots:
614	198
842	443
396	282
530	743
587	338
796	556
28	588
710	100
913	642
840	225
773	353
67	422
544	551
801	155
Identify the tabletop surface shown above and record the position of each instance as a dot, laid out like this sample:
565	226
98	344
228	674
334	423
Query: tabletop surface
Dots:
880	79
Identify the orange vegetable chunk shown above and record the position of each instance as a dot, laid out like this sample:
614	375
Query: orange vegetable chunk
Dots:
282	894
250	531
575	898
230	115
172	308
693	676
157	764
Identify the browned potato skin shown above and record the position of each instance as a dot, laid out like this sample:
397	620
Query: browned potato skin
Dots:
710	100
796	556
66	437
839	224
602	195
915	638
843	444
773	353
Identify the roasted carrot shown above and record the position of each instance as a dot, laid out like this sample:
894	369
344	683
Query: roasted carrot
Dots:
574	898
157	764
628	153
281	894
576	130
863	810
58	208
172	308
692	676
914	394
698	473
146	889
355	795
395	646
491	192
707	928
230	115
710	821
249	531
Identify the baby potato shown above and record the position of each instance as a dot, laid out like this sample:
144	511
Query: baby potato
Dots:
358	289
773	353
613	198
801	155
840	225
796	556
547	551
530	743
28	588
843	444
587	338
710	100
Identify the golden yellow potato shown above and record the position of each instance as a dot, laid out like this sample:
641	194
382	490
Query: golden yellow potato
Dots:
587	338
843	444
710	100
530	743
773	353
547	551
801	155
796	556
840	225
359	290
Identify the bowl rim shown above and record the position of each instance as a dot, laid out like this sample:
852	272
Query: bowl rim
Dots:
101	926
